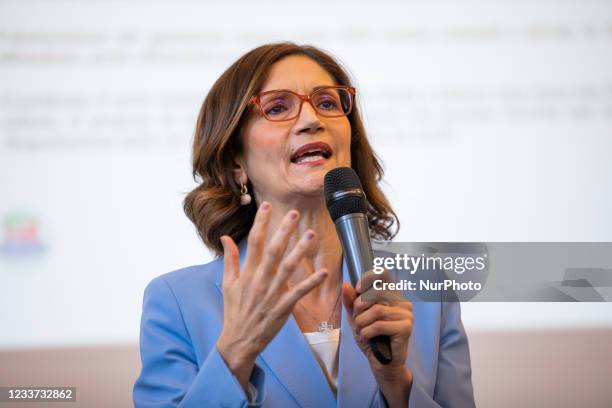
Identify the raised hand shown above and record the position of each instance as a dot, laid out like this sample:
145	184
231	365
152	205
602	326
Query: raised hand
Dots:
256	298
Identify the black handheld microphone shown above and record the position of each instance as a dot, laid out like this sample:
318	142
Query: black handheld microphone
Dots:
346	203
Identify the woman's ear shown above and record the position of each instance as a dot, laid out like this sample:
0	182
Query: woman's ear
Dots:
240	176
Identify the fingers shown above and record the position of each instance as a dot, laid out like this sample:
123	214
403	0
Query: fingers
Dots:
379	319
277	246
387	328
258	234
381	312
360	305
293	260
231	261
289	299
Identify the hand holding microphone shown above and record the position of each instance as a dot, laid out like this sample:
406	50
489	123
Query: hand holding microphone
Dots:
382	330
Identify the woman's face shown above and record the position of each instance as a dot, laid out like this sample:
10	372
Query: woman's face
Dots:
271	150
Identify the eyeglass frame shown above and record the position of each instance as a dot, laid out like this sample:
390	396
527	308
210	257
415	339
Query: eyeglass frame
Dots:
256	100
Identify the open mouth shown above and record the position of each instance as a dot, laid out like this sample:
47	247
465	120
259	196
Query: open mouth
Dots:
311	153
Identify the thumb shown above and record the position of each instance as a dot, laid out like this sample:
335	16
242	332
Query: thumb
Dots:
348	298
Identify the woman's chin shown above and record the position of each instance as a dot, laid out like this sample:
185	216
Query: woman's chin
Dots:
308	180
309	188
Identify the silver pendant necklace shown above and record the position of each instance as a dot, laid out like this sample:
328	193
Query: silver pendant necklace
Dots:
325	325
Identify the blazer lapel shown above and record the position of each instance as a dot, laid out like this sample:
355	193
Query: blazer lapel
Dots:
356	384
289	358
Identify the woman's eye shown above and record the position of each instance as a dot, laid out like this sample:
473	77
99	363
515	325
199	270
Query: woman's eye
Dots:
328	104
275	109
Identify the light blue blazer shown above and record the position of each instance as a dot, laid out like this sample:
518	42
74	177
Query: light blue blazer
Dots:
182	318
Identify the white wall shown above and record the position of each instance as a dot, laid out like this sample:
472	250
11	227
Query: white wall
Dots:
494	120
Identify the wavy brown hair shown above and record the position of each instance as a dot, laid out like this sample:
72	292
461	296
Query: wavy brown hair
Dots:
214	205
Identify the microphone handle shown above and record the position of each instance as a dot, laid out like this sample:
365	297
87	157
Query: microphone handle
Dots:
354	235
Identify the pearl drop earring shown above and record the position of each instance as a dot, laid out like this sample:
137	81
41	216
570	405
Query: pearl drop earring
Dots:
245	197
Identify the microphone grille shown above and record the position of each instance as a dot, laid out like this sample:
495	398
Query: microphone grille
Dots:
340	178
343	179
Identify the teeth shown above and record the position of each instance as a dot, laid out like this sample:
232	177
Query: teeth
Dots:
306	159
311	155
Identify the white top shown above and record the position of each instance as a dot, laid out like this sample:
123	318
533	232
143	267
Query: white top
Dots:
325	349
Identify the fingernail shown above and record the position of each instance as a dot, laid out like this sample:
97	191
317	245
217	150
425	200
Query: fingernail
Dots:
310	235
265	205
293	216
222	239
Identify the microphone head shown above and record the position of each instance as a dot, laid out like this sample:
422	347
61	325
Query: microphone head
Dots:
343	193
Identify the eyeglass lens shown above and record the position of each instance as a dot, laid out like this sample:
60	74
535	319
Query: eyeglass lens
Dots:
282	105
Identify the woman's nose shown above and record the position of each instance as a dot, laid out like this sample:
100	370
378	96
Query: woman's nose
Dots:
308	120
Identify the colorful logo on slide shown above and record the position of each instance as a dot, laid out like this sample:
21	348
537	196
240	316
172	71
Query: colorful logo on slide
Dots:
20	234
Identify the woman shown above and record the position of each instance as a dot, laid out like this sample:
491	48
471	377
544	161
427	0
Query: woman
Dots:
262	325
